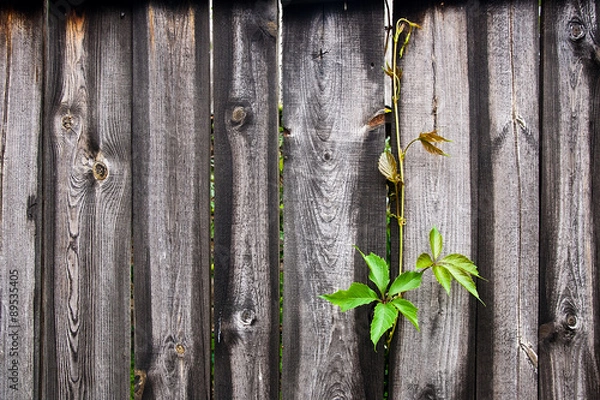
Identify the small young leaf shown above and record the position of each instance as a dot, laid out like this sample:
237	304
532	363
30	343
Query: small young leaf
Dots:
407	309
384	317
379	271
433	149
357	294
409	280
464	278
424	261
432	137
436	242
388	167
443	277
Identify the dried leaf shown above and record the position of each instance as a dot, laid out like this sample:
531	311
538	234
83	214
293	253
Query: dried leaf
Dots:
388	167
378	119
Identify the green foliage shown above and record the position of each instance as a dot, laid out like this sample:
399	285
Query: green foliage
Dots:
358	294
455	266
390	301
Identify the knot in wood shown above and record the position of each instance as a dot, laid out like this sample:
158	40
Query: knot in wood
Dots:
67	122
139	383
571	321
577	30
428	393
547	332
247	317
100	170
238	115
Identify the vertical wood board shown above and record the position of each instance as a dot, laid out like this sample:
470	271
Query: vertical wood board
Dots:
569	314
171	150
505	104
246	200
87	212
437	361
21	69
334	196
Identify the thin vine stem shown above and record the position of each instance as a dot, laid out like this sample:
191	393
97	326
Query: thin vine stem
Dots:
397	75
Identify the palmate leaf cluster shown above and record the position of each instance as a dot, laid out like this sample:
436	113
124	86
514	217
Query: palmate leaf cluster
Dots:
389	296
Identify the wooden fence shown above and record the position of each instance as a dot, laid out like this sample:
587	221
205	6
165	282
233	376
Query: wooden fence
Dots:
105	163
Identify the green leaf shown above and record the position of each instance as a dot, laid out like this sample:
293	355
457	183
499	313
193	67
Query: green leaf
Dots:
409	280
462	269
443	277
436	242
384	317
424	261
357	294
408	309
464	278
462	262
379	271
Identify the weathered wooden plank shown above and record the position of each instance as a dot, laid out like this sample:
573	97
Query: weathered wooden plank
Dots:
504	94
21	63
87	212
290	2
171	237
246	200
437	361
569	335
334	195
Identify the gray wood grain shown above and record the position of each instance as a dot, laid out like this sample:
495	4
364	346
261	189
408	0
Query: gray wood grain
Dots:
171	161
87	212
21	69
334	196
569	315
437	361
246	200
504	94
